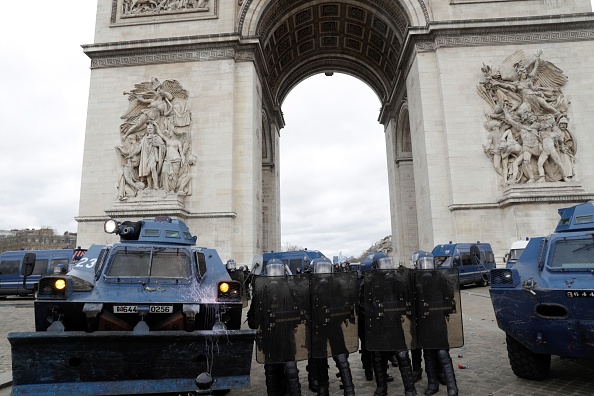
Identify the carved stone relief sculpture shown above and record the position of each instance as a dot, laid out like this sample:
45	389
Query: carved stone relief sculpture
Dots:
132	8
156	151
528	139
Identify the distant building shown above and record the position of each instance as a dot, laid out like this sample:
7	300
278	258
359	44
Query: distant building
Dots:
31	239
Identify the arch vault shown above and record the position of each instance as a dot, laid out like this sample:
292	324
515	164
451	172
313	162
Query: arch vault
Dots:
204	82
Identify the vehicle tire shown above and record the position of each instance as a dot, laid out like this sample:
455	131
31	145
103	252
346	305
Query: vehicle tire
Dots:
221	392
484	281
525	363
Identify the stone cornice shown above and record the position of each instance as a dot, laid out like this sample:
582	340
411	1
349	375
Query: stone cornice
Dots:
498	31
180	49
533	193
149	213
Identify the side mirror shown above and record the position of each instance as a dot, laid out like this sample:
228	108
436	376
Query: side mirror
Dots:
28	264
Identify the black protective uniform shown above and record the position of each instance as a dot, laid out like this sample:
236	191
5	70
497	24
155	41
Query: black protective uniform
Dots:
434	305
276	338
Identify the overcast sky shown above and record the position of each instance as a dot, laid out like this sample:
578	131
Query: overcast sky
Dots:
333	161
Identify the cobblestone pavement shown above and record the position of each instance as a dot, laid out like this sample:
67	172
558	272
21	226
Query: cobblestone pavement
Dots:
484	353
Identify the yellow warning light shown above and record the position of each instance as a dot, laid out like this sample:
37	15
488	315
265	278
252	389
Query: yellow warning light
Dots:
224	287
60	284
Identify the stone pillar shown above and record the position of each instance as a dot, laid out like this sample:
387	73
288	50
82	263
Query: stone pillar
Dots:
431	168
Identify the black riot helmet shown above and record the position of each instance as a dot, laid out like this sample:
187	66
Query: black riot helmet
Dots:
231	265
275	267
382	261
425	261
322	266
414	257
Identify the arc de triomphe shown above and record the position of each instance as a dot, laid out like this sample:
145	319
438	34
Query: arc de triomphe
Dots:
486	106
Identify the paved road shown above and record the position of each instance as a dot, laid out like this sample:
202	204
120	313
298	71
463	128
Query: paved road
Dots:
484	353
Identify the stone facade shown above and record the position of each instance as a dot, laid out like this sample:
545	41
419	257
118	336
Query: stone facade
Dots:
237	60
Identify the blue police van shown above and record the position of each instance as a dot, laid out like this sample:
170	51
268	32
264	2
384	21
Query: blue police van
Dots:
474	261
11	262
297	260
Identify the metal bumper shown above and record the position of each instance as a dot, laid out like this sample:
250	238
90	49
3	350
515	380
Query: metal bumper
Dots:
116	363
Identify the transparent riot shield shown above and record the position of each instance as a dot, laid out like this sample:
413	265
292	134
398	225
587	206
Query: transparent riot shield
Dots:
388	304
438	309
333	322
281	310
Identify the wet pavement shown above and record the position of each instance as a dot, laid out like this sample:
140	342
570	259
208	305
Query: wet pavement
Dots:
484	355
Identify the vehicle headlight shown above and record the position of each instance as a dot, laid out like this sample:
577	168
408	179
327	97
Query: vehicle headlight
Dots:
224	287
60	284
229	291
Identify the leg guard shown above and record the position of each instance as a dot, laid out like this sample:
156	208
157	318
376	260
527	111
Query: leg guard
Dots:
431	370
342	363
406	372
445	362
379	361
292	375
274	374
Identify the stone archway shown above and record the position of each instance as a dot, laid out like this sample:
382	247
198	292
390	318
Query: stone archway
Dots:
225	67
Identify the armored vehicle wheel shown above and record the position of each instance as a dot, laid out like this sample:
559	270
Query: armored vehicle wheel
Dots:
525	363
484	281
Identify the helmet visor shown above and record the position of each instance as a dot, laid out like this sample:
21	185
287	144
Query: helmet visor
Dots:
324	267
425	263
385	263
275	269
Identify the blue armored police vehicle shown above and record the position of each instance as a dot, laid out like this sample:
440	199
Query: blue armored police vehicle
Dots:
150	314
545	302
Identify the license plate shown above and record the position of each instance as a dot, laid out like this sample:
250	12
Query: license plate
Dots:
134	309
161	309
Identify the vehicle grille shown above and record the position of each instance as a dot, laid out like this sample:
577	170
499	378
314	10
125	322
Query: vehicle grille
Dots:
502	276
47	289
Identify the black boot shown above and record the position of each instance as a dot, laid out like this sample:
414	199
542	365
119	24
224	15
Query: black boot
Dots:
292	375
322	377
379	370
416	364
273	375
312	379
342	363
431	370
406	372
445	362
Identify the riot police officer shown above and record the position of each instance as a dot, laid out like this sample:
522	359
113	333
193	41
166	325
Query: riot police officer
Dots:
279	348
380	358
433	325
328	329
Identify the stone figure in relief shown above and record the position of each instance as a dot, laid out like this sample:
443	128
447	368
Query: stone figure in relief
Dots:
528	111
130	183
156	151
131	8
